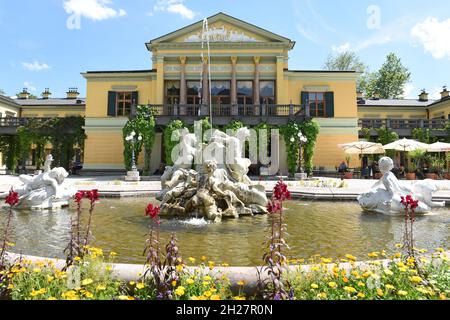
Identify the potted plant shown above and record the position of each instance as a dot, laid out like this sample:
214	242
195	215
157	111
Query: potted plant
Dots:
447	160
435	169
348	174
411	171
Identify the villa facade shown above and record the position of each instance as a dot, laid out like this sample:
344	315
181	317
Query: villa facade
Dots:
248	75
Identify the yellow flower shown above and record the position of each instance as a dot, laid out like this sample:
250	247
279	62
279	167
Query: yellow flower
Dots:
322	295
238	298
108	268
326	260
190	281
422	290
350	289
241	283
205	283
399	245
36	270
179	268
52	299
112	254
440	249
389	287
101	287
361	284
192	260
39	292
373	254
125	298
225	265
203	258
132	283
140	286
86	282
50	278
70	295
215	297
361	295
402	293
332	284
206	278
88	295
403	269
207	294
442	297
380	292
10	286
174	283
350	257
416	279
388	272
314	286
211	264
180	291
77	259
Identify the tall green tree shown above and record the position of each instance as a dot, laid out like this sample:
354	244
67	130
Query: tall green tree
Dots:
347	61
389	82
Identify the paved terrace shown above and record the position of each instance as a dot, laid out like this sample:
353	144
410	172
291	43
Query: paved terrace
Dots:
318	189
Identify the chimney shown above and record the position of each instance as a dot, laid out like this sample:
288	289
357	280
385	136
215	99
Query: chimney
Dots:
72	93
423	95
24	94
376	96
444	93
46	94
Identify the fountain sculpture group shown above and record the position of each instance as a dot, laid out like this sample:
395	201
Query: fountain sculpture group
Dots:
385	195
219	187
45	190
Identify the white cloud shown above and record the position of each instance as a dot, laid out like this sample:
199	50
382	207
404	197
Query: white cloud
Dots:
435	94
35	66
93	9
29	86
174	6
373	41
307	34
342	48
409	91
434	36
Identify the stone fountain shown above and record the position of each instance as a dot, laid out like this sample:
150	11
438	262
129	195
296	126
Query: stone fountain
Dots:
219	186
45	190
385	195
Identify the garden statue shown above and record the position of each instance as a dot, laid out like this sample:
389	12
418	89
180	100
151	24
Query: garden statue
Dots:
44	191
217	189
385	195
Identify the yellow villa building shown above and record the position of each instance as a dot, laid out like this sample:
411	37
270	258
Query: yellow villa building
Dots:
250	81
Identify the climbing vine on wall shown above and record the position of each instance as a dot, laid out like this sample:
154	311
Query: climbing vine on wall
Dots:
143	125
63	133
310	129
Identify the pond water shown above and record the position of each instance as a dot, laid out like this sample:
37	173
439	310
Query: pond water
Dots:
331	229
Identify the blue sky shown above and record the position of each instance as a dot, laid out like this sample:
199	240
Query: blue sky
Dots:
39	50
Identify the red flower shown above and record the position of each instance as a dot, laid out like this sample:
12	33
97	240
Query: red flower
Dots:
281	192
152	211
409	202
92	195
79	196
273	207
13	198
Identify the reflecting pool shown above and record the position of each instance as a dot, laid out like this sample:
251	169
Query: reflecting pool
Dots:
331	229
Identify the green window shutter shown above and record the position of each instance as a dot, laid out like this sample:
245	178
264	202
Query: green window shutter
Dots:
134	103
112	103
329	102
135	98
304	101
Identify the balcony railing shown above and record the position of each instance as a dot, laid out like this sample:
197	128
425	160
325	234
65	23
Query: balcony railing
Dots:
225	110
402	124
17	122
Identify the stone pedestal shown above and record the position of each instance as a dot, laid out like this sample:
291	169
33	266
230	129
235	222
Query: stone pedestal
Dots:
301	176
132	176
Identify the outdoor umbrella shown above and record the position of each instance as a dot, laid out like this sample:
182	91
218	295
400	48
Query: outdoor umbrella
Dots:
406	145
362	147
439	147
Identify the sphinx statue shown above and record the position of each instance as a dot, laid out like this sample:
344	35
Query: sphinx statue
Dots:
217	189
385	195
44	191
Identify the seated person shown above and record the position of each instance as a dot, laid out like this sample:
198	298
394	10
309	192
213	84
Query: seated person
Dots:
342	167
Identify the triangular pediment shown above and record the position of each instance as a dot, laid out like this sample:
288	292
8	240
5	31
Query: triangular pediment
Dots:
222	28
